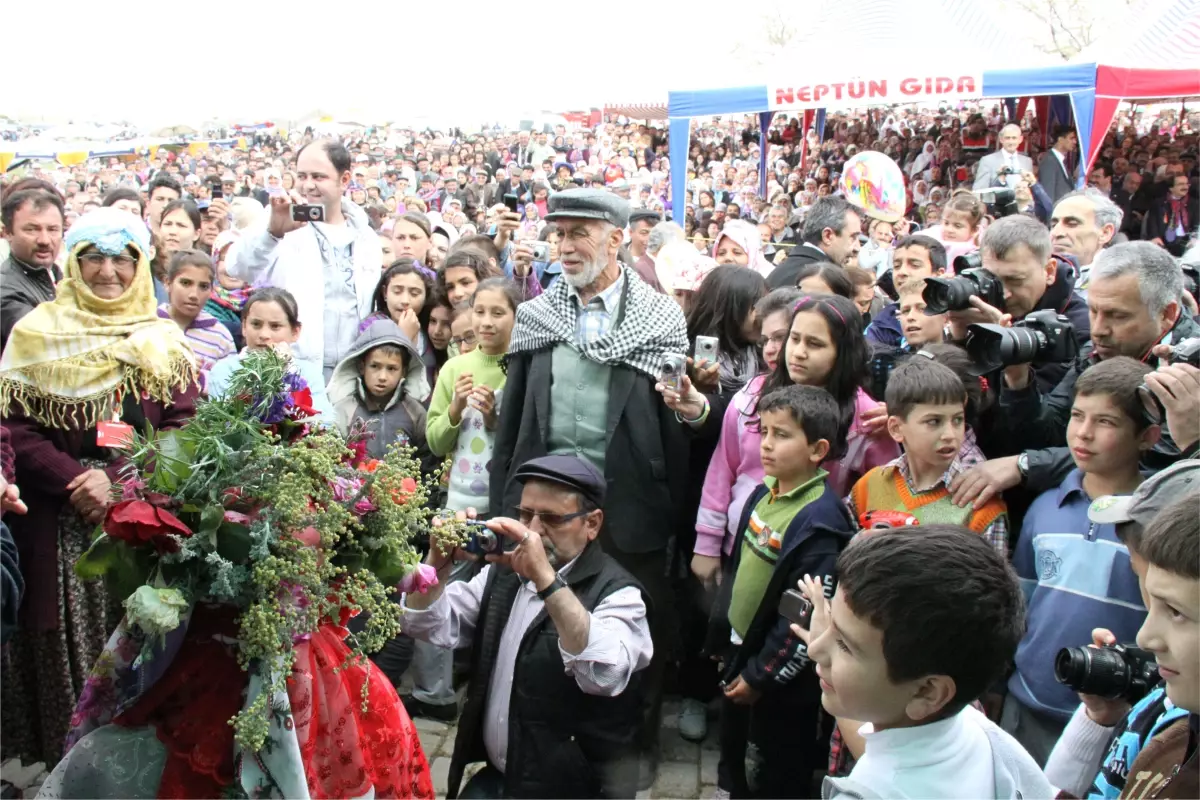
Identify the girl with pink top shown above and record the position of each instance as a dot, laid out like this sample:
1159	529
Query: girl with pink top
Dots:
821	344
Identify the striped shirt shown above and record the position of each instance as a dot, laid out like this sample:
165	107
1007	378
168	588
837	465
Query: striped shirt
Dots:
594	318
209	339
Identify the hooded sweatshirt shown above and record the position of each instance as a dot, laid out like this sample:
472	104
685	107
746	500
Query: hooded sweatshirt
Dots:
403	416
965	756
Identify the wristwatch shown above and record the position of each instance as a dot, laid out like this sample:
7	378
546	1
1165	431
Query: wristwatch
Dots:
1023	466
555	585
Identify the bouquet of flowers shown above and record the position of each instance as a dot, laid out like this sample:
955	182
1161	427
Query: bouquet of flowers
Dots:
251	505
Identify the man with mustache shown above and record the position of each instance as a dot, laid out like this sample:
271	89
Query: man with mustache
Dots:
33	220
582	366
560	642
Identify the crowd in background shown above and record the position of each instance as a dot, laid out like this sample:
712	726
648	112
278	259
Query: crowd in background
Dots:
819	382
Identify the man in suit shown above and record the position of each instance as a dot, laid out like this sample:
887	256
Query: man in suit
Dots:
831	229
1053	174
1006	160
598	337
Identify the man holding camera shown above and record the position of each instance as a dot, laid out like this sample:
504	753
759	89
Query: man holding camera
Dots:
582	365
559	635
1134	309
321	248
1005	166
1016	253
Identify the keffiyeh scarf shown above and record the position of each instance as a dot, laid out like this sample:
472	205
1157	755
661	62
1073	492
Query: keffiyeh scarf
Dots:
650	326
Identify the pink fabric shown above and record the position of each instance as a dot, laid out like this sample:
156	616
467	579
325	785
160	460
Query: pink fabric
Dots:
746	236
736	467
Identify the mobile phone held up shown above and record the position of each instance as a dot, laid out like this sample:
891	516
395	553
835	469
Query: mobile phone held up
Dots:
308	213
512	203
707	350
795	607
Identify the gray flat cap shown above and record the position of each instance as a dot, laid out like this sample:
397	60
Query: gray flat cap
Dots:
589	204
645	214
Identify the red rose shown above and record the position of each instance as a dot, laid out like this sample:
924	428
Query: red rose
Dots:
136	522
302	404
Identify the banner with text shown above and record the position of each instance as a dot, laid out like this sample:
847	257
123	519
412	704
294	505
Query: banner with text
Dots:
916	88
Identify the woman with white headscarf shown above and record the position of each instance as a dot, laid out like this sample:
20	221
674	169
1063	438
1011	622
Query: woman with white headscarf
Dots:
923	161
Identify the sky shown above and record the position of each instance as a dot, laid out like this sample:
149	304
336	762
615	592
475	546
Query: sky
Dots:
254	59
382	60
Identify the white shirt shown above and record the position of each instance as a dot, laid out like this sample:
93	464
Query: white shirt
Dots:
618	645
1061	160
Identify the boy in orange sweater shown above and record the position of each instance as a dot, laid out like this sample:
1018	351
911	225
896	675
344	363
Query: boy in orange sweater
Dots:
926	404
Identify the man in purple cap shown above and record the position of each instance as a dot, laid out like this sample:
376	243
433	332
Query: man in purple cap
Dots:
559	636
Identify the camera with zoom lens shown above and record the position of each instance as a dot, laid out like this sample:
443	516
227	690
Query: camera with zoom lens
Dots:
1118	672
1000	202
1043	337
1186	352
954	294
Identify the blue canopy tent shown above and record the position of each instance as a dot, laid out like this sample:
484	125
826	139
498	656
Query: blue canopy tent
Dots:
1076	81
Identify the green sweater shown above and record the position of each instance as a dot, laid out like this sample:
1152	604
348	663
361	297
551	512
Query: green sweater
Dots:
762	543
470	440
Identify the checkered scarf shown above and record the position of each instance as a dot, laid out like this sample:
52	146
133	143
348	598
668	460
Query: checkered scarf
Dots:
652	325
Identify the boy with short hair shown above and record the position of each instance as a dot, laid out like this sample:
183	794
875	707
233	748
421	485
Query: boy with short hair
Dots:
377	384
1076	574
793	525
926	404
917	327
916	257
923	621
1163	506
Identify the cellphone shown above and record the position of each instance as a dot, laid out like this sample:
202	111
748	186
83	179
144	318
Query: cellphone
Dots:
707	348
541	251
308	213
512	202
674	367
795	607
215	192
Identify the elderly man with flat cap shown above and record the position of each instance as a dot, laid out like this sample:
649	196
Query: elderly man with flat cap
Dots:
559	639
582	364
641	222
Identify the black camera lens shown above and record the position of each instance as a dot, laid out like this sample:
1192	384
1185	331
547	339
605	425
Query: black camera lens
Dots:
947	294
993	346
1112	672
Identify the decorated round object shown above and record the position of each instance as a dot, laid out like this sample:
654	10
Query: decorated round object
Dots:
873	182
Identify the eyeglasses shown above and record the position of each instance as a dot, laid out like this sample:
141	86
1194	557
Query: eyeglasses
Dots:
467	338
526	516
98	259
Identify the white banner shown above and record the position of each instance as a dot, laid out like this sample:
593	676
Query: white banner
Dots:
915	88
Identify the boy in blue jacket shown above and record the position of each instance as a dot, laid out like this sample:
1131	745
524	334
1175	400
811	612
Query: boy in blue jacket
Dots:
793	525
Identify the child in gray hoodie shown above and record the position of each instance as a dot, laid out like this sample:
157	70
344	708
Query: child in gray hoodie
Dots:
377	384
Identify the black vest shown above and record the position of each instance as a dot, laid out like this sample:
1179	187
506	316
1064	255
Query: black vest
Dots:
561	742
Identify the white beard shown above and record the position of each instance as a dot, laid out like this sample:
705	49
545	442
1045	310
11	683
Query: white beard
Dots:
587	275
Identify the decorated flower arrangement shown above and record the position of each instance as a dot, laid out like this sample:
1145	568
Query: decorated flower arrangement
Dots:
253	505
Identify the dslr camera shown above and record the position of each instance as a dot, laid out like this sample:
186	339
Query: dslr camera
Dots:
1186	352
1001	201
1043	337
1119	672
970	280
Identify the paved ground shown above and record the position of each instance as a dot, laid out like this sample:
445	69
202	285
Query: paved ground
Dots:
687	769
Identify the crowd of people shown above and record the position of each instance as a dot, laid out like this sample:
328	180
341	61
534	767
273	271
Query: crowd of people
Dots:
857	477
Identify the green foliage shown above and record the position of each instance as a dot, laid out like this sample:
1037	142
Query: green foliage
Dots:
296	531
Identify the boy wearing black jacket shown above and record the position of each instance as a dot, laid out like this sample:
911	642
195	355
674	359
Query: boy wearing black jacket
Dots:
793	525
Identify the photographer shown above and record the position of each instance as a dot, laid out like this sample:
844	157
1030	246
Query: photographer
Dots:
1150	746
559	635
1016	251
1134	310
331	266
